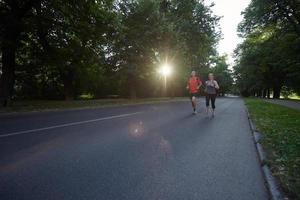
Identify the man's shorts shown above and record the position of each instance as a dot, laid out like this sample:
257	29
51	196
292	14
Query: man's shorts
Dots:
193	95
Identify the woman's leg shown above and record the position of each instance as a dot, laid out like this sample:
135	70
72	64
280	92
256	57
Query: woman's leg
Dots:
213	101
207	102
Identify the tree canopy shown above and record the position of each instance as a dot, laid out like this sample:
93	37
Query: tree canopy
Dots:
268	59
62	49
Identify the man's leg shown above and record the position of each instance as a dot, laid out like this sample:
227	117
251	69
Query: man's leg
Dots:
194	103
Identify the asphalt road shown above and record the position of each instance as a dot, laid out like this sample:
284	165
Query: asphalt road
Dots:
158	151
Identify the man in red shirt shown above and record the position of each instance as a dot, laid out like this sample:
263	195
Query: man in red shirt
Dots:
193	86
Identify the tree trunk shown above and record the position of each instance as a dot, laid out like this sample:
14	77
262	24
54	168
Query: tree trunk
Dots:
7	79
259	93
11	29
276	92
268	93
69	85
264	93
132	86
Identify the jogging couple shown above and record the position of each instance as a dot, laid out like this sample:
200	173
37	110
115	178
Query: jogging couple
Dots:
211	86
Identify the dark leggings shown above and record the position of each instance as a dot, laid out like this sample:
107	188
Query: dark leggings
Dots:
211	97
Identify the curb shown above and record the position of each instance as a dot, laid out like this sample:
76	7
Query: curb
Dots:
272	186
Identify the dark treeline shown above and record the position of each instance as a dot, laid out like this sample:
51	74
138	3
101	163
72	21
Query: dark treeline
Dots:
268	61
61	49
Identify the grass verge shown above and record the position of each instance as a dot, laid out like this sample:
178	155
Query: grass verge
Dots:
280	127
40	105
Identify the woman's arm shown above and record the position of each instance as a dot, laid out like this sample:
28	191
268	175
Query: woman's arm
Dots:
216	85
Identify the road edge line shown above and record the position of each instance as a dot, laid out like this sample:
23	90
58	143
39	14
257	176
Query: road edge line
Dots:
271	183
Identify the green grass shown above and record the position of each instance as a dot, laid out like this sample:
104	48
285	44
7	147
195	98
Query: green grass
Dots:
40	105
280	127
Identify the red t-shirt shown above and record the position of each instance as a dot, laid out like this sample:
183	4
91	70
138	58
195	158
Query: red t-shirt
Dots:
193	84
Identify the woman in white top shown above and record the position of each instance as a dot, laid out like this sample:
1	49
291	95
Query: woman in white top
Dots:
211	87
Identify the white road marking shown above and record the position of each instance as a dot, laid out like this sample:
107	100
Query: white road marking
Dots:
68	124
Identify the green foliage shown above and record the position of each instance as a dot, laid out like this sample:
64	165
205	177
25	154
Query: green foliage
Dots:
68	48
286	92
182	33
268	59
222	74
263	13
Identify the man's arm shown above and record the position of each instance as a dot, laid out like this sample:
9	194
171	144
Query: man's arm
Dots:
187	85
199	83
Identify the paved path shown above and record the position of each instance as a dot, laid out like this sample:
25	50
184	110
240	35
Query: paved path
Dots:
143	152
287	103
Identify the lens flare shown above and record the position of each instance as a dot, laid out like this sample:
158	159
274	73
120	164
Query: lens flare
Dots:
165	70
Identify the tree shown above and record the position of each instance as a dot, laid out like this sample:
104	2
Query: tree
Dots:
151	33
59	39
13	15
222	74
136	40
268	59
262	13
80	33
62	49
